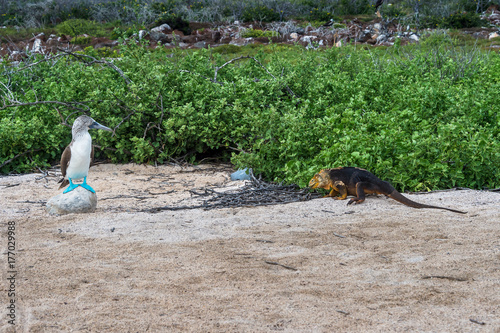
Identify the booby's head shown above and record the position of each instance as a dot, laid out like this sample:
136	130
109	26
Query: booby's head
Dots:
83	123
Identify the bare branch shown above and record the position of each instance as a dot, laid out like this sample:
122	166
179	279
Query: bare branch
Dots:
43	60
68	104
96	61
19	155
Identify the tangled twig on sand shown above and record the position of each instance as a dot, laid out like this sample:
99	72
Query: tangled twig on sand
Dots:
254	193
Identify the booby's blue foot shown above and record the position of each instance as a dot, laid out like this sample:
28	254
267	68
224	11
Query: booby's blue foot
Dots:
71	186
87	186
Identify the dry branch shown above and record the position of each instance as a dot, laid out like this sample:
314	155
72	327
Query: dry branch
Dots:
18	155
451	278
252	194
84	58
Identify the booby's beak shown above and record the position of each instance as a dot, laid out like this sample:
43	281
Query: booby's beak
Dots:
96	125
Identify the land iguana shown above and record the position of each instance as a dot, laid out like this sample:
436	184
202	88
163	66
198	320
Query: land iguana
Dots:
346	181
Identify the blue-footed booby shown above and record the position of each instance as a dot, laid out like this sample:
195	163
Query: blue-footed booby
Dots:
76	158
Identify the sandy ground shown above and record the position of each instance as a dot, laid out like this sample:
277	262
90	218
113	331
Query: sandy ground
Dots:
315	266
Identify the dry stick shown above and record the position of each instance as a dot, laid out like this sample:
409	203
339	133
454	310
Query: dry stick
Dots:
477	322
443	277
343	312
124	106
10	185
96	61
18	155
278	264
68	104
254	193
43	60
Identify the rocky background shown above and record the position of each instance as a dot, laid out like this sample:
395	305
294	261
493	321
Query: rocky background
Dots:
378	32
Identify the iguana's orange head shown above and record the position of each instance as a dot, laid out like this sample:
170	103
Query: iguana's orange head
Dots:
321	180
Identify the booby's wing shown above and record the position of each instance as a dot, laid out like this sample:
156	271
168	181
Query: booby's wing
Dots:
65	157
91	156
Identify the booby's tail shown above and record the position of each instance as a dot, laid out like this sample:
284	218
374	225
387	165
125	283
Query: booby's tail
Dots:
64	182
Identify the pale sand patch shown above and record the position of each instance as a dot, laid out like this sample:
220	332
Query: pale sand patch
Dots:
378	266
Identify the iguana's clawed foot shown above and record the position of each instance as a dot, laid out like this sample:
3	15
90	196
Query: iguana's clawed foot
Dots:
355	201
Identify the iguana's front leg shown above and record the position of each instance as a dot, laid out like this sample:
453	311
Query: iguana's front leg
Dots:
339	191
333	193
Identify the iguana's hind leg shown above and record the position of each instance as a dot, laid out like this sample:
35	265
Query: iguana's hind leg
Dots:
361	187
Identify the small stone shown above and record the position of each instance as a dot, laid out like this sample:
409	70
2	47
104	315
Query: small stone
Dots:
37	46
79	200
159	37
142	34
381	38
200	45
493	35
414	37
162	28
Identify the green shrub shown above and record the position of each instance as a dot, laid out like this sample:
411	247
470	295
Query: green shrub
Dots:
260	13
76	27
393	11
81	40
316	14
163	7
258	33
457	20
103	52
421	116
174	21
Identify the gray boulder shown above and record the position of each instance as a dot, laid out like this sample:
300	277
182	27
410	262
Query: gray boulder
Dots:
200	45
162	28
79	200
159	37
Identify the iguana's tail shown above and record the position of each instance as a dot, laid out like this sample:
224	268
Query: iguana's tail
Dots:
404	200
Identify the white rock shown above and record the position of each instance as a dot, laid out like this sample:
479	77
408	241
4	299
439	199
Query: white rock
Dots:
414	37
142	33
308	39
294	36
162	27
493	35
381	38
200	45
79	200
37	46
